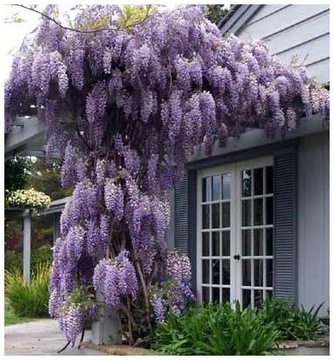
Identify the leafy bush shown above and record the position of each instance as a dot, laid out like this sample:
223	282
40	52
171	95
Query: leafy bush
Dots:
293	323
215	329
28	300
41	256
14	260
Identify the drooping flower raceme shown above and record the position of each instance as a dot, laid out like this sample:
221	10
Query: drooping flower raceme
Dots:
178	266
126	106
116	279
176	292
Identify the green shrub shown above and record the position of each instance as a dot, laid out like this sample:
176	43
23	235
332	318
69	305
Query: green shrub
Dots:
28	300
293	323
215	329
14	260
307	323
41	256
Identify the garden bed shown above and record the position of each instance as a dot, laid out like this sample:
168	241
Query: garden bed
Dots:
198	331
289	348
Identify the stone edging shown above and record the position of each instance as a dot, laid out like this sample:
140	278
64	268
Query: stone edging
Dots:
289	344
119	349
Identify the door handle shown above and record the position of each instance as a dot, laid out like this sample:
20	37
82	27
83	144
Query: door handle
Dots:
236	257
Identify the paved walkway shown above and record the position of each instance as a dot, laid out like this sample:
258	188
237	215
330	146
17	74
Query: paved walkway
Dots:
41	337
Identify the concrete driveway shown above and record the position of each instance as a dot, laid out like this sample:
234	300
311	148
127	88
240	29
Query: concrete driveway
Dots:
41	337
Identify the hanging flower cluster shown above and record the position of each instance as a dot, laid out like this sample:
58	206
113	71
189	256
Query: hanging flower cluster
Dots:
31	199
175	292
75	312
116	279
178	266
126	107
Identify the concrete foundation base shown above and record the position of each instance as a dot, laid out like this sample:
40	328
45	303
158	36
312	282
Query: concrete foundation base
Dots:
107	329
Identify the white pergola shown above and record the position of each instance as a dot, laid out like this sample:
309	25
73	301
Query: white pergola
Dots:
28	138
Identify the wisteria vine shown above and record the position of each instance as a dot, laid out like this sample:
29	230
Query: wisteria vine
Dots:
126	107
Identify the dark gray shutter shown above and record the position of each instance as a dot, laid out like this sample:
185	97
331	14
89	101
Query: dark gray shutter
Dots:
181	215
285	225
185	202
192	226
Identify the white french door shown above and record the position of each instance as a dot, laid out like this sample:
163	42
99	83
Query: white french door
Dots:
235	232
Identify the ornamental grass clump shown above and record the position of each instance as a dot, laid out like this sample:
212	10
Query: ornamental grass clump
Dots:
126	104
29	300
39	257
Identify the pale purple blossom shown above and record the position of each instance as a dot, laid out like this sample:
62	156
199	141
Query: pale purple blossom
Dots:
114	198
158	308
116	279
68	171
291	118
178	266
72	323
74	243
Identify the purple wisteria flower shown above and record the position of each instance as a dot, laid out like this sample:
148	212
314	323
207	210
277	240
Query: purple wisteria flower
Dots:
178	266
158	308
116	279
114	198
72	323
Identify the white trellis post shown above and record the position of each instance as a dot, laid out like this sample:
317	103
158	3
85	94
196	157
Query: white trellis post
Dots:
26	245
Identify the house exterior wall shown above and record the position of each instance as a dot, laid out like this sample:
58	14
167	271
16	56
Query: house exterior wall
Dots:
287	30
301	32
313	221
311	257
293	32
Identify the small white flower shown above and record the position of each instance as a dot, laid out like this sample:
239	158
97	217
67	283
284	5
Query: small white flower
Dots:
30	198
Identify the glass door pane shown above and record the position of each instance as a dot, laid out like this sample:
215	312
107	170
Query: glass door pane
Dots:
215	228
256	229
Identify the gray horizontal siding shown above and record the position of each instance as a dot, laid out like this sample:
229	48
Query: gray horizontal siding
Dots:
293	32
266	11
308	53
300	33
320	69
281	20
236	17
